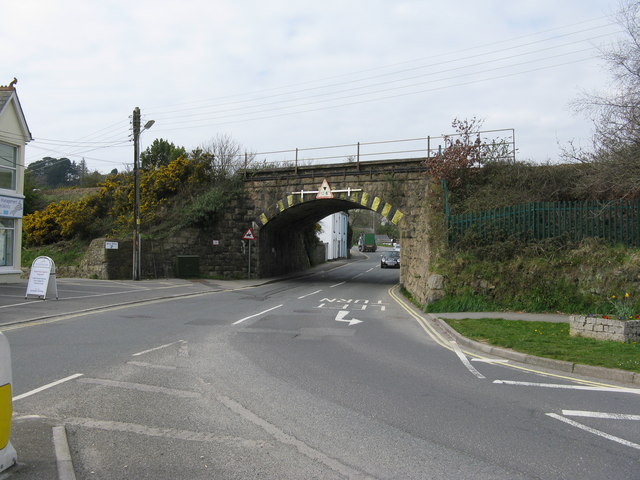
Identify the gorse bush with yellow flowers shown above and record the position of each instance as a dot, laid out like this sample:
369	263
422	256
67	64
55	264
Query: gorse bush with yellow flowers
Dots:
59	221
110	210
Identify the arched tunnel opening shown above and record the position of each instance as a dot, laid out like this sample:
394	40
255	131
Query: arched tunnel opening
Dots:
282	248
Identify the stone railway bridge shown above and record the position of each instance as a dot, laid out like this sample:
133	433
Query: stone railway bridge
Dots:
277	210
396	189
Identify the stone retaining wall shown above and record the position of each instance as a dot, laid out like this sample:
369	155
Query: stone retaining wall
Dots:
605	328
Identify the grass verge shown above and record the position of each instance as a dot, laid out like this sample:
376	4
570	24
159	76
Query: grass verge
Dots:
550	340
62	253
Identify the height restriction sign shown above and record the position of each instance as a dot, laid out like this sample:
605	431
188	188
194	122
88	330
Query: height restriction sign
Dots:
325	190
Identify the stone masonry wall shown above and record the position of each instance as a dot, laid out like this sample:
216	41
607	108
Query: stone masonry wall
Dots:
421	238
605	328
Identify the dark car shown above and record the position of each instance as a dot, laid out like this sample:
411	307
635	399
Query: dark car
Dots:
390	260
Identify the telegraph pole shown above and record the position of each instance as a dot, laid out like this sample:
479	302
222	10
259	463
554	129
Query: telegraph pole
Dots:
136	198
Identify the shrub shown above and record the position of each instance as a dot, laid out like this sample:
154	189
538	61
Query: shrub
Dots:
59	221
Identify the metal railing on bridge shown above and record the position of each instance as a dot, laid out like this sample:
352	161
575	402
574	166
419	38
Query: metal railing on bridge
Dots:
359	152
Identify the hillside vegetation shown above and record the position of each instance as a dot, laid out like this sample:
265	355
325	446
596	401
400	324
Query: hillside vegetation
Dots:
514	272
175	192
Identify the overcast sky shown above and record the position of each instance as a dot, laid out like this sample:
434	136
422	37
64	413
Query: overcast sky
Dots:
276	74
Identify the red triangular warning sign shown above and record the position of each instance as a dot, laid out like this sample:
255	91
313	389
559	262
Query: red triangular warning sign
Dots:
248	235
325	190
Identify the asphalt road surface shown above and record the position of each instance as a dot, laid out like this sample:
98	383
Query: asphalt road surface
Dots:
326	376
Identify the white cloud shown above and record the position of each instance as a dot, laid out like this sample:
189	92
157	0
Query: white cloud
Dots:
297	74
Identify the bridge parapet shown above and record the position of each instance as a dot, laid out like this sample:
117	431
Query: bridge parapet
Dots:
406	165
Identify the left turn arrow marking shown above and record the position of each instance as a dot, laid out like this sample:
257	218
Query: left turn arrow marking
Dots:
343	313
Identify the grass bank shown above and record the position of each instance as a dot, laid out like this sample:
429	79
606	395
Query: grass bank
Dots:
545	276
550	340
66	253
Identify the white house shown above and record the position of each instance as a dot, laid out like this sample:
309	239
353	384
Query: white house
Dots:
14	135
334	235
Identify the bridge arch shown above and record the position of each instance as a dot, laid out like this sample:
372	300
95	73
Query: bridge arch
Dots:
339	202
280	227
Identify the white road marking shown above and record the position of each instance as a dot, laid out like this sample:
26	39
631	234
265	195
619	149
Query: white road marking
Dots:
309	294
594	431
27	417
343	313
337	284
63	455
281	436
170	433
156	348
152	365
45	387
463	358
609	416
569	387
256	315
489	360
141	387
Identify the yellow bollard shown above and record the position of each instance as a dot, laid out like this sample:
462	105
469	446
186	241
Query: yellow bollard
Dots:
8	456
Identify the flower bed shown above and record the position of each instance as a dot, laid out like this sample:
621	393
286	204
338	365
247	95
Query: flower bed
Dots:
604	328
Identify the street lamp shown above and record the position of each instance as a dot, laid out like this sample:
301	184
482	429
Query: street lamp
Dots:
136	186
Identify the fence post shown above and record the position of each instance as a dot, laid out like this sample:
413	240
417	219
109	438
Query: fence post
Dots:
358	157
245	164
296	166
445	192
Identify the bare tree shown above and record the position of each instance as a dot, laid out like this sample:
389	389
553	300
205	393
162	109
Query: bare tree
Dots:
223	155
616	113
462	152
612	166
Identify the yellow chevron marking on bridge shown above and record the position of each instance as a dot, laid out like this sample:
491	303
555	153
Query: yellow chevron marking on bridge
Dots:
365	199
264	219
397	217
386	210
281	205
375	204
290	200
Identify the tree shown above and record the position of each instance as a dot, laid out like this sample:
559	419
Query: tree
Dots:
54	172
616	113
222	155
463	151
161	152
612	163
33	199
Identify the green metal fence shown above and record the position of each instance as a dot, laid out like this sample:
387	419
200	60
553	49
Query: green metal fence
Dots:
614	221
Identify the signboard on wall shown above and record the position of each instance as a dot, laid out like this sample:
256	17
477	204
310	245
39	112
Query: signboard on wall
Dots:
11	207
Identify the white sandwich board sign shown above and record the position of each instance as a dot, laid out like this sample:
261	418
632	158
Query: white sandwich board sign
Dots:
42	278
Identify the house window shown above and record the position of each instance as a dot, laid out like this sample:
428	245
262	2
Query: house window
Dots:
8	157
7	227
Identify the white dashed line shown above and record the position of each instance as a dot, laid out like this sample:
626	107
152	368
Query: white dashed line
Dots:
156	348
256	314
609	416
47	386
309	294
